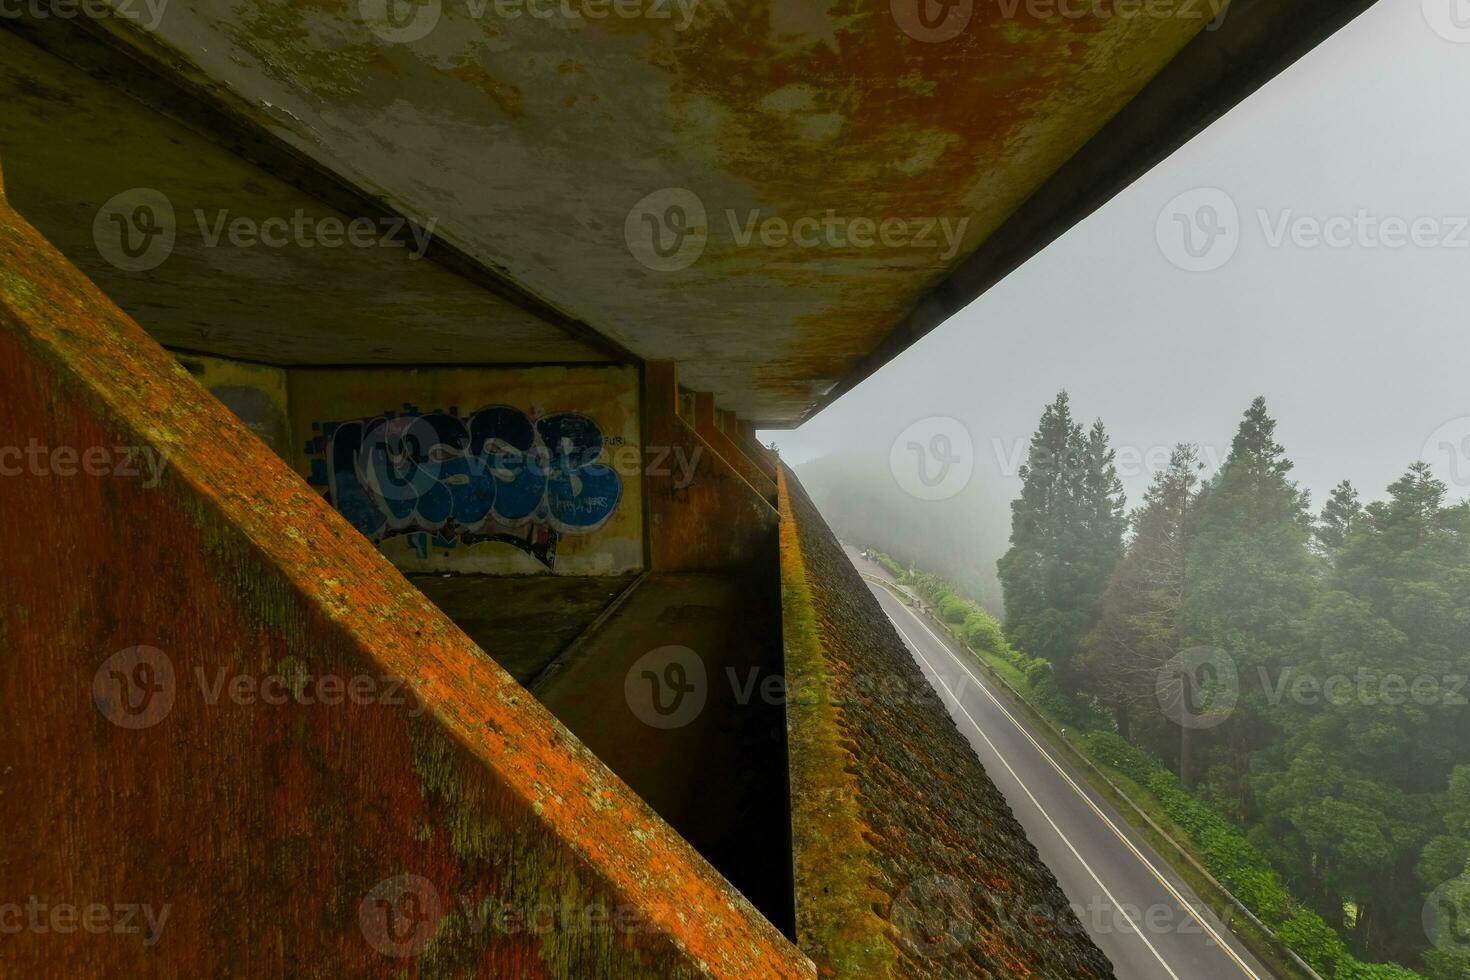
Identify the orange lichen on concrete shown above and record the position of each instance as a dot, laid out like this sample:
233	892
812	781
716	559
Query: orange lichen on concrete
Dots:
222	707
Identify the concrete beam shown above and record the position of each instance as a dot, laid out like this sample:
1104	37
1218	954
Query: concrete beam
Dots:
702	512
221	704
707	424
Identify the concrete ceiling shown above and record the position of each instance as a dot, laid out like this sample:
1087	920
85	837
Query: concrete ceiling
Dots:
69	144
538	147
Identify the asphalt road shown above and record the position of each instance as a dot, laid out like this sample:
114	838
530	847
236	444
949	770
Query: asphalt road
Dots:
1138	911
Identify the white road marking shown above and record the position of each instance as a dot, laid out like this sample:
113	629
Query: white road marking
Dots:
1042	810
1169	887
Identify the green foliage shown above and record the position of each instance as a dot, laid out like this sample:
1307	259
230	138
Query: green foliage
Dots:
1140	625
1231	858
1331	813
953	609
1339	518
1251	573
1225	850
981	631
1066	534
1365	794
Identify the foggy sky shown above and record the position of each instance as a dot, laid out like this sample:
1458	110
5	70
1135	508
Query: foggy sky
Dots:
1362	353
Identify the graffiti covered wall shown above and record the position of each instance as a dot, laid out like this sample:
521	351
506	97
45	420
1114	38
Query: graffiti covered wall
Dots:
479	470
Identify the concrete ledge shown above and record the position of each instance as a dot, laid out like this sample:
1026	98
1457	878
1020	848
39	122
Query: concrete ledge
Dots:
763	457
835	918
423	825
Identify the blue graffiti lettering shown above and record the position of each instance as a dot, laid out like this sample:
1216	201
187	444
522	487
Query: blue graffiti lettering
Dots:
495	476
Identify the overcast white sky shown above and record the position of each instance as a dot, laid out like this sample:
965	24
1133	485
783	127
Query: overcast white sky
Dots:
1362	353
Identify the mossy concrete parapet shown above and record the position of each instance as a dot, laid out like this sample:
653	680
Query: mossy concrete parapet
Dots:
835	899
220	706
908	860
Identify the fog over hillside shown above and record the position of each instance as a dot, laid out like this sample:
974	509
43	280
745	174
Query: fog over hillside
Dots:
959	538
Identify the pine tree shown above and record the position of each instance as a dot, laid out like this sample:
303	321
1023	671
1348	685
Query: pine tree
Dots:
1339	517
1066	535
1251	568
1252	578
1140	624
1103	515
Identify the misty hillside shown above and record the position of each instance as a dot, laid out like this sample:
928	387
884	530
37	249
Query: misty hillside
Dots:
960	538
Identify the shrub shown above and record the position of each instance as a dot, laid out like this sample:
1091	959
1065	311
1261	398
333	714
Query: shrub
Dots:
953	609
982	632
889	565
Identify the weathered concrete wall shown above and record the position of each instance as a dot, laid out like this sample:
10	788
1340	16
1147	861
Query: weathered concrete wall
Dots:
556	148
480	470
313	296
236	742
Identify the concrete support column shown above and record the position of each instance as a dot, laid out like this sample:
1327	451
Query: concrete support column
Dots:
703	513
706	423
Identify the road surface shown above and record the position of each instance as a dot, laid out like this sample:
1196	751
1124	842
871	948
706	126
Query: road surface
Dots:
1138	911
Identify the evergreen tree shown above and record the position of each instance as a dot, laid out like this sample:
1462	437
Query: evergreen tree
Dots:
1338	518
1355	785
1140	621
1252	578
1066	535
1103	515
1377	821
1252	572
